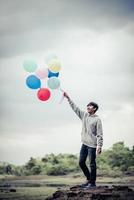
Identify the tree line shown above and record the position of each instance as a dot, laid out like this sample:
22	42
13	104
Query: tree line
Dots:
115	161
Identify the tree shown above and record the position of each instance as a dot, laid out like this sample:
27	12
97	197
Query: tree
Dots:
120	156
31	163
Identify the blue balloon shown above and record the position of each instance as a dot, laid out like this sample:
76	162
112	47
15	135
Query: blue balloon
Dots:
52	74
33	82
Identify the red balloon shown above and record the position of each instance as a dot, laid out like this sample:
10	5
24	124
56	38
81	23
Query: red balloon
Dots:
43	94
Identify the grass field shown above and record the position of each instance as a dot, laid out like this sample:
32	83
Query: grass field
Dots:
40	187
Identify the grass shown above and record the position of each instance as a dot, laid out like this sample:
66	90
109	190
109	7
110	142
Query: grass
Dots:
40	187
28	193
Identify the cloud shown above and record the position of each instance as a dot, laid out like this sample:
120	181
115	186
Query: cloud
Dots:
57	14
94	41
40	143
43	21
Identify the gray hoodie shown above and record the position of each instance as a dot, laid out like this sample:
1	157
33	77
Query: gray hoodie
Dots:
92	133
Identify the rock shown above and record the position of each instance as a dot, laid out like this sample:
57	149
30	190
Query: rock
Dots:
98	193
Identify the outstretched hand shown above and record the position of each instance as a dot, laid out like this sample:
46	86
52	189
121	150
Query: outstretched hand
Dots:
66	95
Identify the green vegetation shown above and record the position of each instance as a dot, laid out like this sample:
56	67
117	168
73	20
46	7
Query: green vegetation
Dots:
119	159
113	162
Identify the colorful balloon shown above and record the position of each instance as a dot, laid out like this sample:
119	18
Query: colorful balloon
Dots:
33	82
41	73
53	83
54	65
51	74
30	65
43	94
50	56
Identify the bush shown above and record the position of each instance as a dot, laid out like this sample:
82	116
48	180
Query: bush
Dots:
56	170
36	170
2	169
112	162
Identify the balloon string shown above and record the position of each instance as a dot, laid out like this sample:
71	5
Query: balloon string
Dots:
62	98
61	90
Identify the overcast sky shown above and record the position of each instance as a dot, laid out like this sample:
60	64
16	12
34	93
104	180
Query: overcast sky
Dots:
94	40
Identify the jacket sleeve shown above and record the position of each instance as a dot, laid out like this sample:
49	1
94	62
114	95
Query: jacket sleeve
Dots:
99	133
79	112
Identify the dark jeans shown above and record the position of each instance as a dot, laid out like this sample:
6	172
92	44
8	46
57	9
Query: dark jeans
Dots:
91	153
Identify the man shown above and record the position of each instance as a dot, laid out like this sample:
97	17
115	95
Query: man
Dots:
92	140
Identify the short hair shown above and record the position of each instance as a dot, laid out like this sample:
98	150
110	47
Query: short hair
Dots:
95	105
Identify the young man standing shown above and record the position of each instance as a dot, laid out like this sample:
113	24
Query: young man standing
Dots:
92	140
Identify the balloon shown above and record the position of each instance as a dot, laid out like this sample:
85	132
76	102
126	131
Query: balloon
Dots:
54	65
30	65
41	73
53	83
33	82
43	94
51	74
50	56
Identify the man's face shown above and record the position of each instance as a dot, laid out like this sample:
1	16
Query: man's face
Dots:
90	109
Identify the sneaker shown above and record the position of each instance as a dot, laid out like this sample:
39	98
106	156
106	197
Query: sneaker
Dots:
85	184
90	186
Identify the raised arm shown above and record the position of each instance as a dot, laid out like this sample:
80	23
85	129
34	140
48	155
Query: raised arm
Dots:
79	112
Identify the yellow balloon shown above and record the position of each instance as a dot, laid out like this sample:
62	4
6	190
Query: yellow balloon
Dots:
54	65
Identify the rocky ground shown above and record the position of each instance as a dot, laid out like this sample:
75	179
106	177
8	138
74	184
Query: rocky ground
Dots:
65	188
98	193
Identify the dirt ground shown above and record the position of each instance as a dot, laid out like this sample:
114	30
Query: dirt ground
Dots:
98	193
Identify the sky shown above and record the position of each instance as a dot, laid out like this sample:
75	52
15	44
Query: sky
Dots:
94	40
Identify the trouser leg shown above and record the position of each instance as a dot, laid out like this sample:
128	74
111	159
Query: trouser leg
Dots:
92	160
82	161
